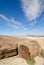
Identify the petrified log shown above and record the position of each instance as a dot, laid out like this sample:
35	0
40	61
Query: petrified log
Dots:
8	52
24	52
29	50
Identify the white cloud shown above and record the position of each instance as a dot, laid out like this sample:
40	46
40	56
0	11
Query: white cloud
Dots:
42	19
33	23
15	24
32	8
12	22
24	28
38	32
5	18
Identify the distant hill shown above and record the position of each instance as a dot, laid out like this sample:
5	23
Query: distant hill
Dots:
35	35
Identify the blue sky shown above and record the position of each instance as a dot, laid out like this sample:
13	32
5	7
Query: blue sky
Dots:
21	17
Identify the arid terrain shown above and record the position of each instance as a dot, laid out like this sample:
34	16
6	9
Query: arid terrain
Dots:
5	41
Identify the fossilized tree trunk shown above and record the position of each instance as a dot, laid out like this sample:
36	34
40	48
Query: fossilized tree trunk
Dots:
29	50
8	52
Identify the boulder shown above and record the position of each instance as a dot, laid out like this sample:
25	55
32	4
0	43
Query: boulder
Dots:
11	50
29	50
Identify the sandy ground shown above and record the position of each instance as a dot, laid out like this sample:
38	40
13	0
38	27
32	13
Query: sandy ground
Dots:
20	61
39	61
13	61
40	40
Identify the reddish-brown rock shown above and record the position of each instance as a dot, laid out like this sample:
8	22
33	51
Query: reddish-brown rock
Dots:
9	51
29	50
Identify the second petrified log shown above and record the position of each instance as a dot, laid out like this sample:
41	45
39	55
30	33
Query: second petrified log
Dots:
29	50
8	52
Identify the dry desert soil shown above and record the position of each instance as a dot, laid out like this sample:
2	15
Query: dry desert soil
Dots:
16	60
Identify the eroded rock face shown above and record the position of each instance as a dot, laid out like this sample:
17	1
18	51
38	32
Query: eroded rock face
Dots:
29	50
9	51
24	51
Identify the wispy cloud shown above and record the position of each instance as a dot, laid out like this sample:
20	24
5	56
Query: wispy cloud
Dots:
12	22
42	19
39	31
24	28
4	17
32	8
15	24
33	23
